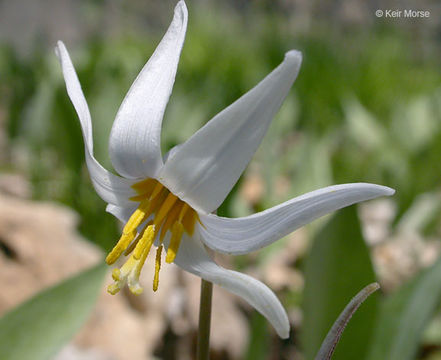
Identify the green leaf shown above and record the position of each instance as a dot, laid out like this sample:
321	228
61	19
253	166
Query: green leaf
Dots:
259	344
329	344
336	268
38	328
363	127
404	315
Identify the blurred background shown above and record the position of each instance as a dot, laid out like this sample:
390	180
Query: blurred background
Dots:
366	107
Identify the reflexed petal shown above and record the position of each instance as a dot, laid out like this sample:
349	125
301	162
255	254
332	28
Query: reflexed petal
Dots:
193	258
242	235
171	152
110	188
206	167
122	213
135	139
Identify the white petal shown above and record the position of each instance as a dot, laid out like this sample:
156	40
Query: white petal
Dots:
135	139
206	167
110	188
243	235
171	152
193	258
122	213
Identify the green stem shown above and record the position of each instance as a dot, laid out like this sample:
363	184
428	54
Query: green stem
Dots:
203	345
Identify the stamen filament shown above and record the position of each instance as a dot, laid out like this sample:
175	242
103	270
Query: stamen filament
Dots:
139	197
134	285
157	190
183	211
165	208
155	203
113	289
135	242
146	240
120	276
189	221
157	268
177	231
116	273
171	218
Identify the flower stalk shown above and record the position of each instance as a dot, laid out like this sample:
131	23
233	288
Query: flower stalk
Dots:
203	341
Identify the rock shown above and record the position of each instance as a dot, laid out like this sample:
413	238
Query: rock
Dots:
279	270
403	256
15	185
253	187
398	252
39	247
72	352
127	326
376	217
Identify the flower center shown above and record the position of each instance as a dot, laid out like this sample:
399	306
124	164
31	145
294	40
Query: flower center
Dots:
158	213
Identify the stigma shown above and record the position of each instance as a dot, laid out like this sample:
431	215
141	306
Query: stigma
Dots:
159	213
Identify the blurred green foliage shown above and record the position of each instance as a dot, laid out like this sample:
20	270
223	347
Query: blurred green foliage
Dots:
404	315
41	326
366	107
336	268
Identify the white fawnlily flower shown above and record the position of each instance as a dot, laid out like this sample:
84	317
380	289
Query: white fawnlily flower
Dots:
169	202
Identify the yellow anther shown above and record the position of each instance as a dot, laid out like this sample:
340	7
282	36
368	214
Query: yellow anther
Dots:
122	244
116	273
113	289
135	242
177	231
171	218
157	268
165	208
142	260
145	241
138	216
